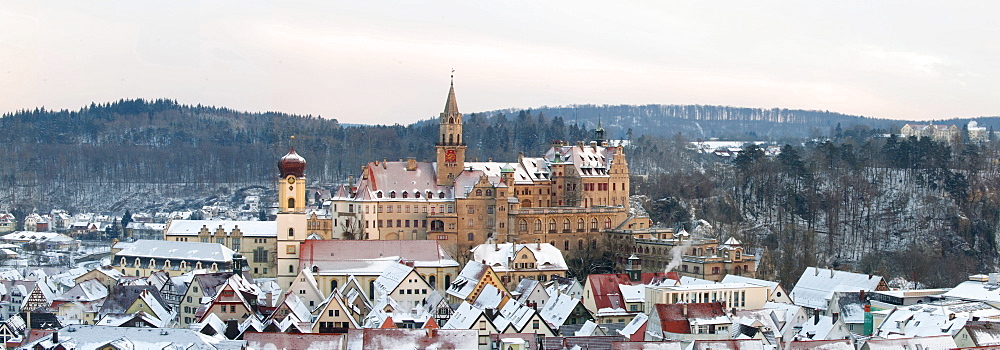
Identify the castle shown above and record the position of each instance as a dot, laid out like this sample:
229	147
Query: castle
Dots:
566	198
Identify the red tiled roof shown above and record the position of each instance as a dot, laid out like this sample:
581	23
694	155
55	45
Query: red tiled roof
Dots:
674	317
605	289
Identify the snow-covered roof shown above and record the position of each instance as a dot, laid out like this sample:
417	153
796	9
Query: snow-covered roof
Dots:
391	277
771	285
191	251
936	342
88	290
975	290
467	279
501	256
464	317
633	294
557	309
248	228
816	286
87	337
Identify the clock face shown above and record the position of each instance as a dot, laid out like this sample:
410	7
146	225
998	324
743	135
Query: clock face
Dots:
450	157
291	180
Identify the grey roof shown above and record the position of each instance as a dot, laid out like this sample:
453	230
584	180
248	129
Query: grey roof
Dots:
190	251
87	337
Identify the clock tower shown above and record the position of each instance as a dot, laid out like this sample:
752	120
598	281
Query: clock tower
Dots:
291	219
450	146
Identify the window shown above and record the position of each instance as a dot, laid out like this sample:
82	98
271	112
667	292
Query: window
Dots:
479	193
392	194
291	232
552	226
580	225
566	225
522	226
471	236
291	203
472	209
489	209
538	225
405	195
489	192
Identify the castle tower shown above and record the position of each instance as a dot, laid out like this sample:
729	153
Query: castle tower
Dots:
450	147
291	215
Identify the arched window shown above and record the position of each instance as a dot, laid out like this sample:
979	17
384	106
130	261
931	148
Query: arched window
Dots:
479	192
522	226
737	270
607	223
333	285
552	225
441	195
553	243
405	195
593	224
451	138
291	232
291	268
580	225
416	194
291	203
566	225
392	194
526	203
378	194
451	120
432	280
593	243
315	269
538	225
489	192
471	236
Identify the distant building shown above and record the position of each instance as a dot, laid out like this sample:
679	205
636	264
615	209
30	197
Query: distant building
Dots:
702	258
938	132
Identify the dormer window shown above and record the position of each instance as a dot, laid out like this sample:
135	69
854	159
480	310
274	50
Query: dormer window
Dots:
378	194
405	195
392	194
441	195
416	194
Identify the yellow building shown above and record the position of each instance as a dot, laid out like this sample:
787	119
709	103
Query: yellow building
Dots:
739	296
565	197
255	240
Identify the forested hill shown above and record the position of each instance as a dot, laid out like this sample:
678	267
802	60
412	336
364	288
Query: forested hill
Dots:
699	121
104	154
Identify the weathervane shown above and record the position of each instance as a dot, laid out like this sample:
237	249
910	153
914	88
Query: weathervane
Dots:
453	76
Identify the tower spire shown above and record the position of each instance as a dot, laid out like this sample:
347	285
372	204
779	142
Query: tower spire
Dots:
451	106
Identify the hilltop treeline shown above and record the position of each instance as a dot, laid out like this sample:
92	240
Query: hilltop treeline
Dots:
915	209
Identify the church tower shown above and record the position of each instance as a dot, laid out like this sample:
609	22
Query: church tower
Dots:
450	147
291	219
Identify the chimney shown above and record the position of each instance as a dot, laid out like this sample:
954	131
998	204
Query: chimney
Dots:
861	295
684	310
384	160
268	298
55	336
816	317
817	271
538	244
831	273
411	164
